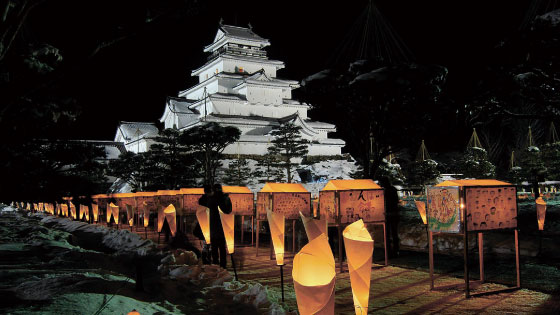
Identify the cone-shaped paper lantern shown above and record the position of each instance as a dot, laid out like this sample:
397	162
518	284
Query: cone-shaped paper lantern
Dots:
203	217
84	212
171	215
64	209
130	215
314	277
113	210
277	228
146	215
314	227
95	210
359	249
73	210
421	206
228	223
541	212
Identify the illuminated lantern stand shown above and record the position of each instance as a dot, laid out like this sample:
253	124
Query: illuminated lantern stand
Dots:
314	277
101	200
95	211
73	210
166	197
203	217
314	227
145	201
228	224
475	205
421	206
113	211
242	201
284	198
541	212
359	250
170	215
347	201
277	223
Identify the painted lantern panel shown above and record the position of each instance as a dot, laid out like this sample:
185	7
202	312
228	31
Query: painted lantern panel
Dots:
444	211
368	205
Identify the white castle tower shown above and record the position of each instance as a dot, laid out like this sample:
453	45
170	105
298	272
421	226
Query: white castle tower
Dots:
238	87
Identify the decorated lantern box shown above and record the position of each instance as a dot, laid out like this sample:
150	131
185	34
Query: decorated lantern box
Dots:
352	200
127	206
485	204
145	204
167	197
190	199
242	199
288	199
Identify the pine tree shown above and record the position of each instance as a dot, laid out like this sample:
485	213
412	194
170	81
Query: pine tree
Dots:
268	168
238	173
475	164
208	141
423	172
288	144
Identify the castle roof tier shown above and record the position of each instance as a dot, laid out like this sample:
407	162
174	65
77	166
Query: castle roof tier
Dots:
136	136
238	87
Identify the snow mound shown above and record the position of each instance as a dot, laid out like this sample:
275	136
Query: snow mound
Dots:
122	241
237	294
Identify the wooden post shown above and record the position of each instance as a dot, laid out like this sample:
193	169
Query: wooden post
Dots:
517	258
431	257
466	254
481	255
385	242
252	229
293	236
257	254
242	220
340	246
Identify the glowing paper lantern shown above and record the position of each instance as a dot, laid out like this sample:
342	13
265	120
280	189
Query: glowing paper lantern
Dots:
359	249
541	212
64	209
421	206
113	210
277	228
95	210
130	215
134	312
84	212
314	277
73	210
314	227
228	224
146	215
203	217
170	215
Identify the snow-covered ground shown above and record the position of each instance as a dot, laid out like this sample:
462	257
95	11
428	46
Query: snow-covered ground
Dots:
53	265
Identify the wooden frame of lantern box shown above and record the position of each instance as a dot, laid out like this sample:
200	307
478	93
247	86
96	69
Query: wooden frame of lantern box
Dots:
145	205
461	206
288	199
359	199
242	202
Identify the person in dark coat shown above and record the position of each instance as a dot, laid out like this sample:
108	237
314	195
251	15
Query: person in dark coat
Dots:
212	199
392	216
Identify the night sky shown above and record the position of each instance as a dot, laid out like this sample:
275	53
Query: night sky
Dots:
130	80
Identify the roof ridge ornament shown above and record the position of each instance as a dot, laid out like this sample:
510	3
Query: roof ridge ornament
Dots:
221	23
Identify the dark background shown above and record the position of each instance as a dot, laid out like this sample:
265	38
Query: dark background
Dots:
130	80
